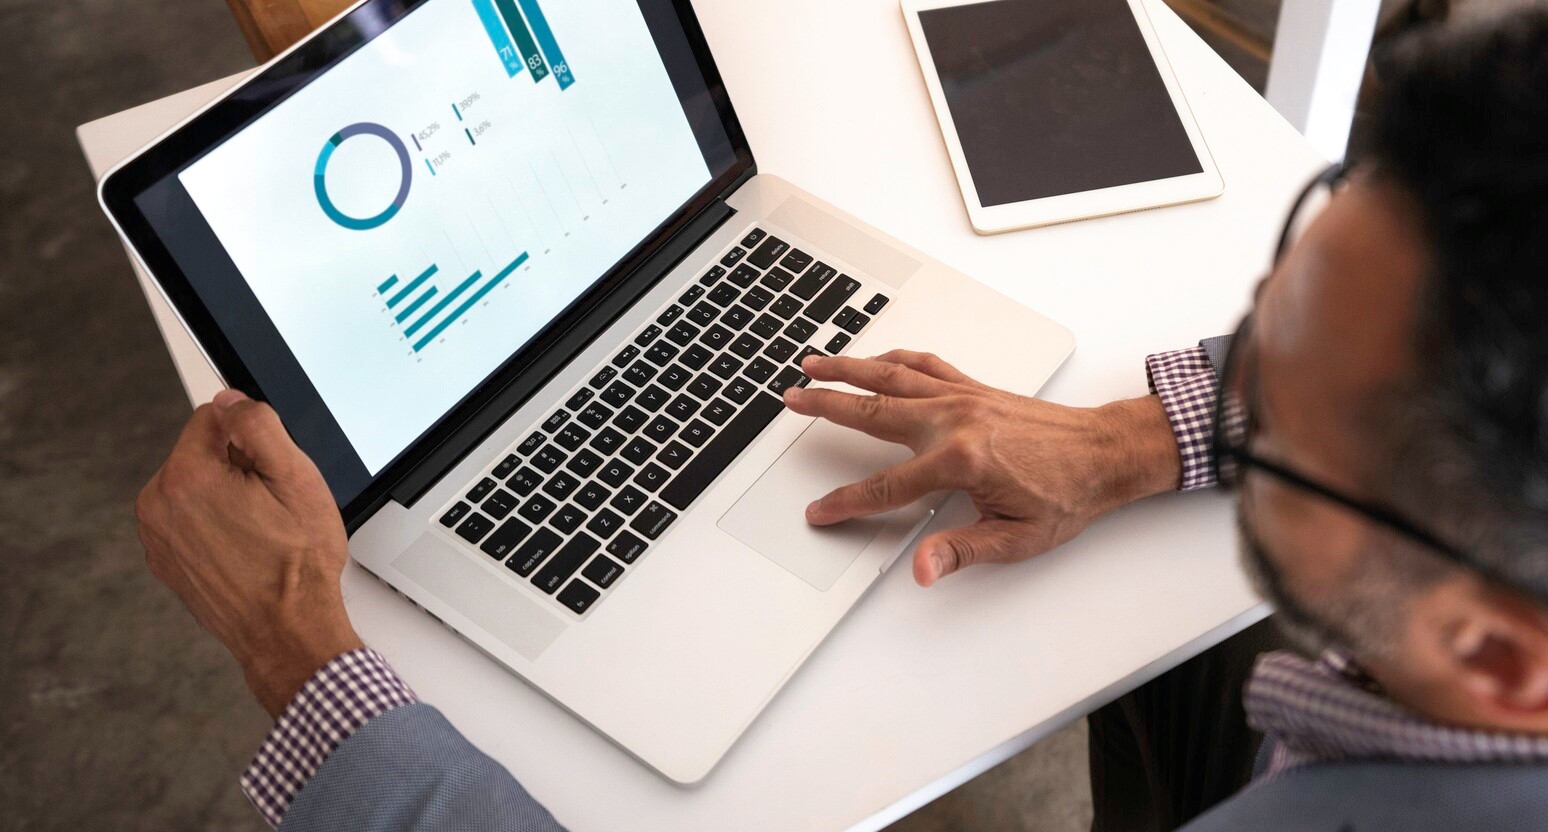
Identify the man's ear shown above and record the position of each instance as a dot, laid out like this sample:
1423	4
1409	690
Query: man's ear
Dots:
1496	643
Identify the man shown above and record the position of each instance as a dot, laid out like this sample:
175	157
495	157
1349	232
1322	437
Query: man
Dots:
1384	415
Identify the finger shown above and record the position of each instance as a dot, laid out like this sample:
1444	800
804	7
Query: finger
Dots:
987	541
929	364
883	491
876	376
256	435
884	417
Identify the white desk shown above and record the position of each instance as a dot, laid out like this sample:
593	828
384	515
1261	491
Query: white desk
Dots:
917	691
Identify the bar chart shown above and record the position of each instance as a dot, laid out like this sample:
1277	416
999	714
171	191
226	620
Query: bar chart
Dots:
522	38
425	328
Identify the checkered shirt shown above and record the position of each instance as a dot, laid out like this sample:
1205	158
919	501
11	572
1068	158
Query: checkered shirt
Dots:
339	698
1185	381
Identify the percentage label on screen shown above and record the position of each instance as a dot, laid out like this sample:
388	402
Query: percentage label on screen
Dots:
465	103
481	128
429	130
440	159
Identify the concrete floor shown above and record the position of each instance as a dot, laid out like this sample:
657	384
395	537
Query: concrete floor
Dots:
116	712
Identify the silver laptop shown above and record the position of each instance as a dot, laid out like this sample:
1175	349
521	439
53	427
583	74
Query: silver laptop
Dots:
508	273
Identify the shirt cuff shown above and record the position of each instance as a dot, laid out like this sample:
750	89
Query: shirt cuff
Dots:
1185	380
339	698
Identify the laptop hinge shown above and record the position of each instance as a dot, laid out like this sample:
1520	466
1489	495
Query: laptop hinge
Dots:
523	385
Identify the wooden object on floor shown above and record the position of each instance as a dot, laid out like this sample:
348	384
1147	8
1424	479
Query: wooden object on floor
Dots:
271	26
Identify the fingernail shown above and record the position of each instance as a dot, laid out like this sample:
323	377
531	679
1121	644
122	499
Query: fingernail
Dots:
937	563
227	398
807	361
792	393
813	508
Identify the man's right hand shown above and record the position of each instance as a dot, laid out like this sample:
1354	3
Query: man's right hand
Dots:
1038	473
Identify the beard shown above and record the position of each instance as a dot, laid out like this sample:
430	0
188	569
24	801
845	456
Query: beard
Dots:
1305	629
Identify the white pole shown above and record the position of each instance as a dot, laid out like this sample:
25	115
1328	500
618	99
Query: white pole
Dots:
1320	50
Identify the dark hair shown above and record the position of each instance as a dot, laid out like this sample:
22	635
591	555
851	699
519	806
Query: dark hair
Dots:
1461	124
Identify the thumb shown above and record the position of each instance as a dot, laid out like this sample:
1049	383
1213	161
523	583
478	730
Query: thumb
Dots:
987	541
254	431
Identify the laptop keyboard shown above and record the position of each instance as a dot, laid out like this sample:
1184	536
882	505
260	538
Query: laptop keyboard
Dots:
575	504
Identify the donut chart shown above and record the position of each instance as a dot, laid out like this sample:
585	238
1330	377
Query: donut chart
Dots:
320	184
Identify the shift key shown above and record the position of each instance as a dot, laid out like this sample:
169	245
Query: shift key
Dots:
833	297
565	562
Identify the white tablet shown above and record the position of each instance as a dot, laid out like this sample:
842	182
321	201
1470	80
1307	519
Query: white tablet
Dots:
1058	110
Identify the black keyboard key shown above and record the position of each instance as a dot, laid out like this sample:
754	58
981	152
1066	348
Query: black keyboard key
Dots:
602	571
693	294
837	343
696	356
565	562
595	415
528	445
602	377
810	283
788	377
757	297
805	351
857	323
455	513
831	298
724	295
553	422
704	386
537	508
652	398
704	314
780	350
683	333
715	273
608	441
567	519
800	329
509	464
628	354
616	472
754	237
572	437
591	496
549	459
671	314
786	307
660	353
744	275
631	499
605	523
716	337
578	401
561	485
718	412
524	481
674	377
796	261
760	370
630	418
714	457
617	394
474	528
638	451
481	490
737	317
583	463
661	429
578	597
674	455
768	252
682	408
626	547
740	390
648	334
499	504
696	433
746	345
726	366
842	319
653	520
777	279
875	304
503	541
639	374
767	326
733	256
533	552
650	478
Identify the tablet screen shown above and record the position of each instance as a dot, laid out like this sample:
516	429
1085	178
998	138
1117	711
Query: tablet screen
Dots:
1054	97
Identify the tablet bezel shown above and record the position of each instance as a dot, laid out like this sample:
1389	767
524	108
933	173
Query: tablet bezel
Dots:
1119	199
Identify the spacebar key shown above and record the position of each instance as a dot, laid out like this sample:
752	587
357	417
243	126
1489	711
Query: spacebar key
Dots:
714	457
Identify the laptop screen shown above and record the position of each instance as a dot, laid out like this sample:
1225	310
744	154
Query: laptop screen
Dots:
406	222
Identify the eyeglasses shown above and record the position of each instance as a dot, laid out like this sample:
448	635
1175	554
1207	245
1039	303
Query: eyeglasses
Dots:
1235	425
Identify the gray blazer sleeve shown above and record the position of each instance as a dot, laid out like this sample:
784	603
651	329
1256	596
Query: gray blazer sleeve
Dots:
410	770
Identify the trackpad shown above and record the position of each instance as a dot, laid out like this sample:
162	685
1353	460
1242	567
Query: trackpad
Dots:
771	516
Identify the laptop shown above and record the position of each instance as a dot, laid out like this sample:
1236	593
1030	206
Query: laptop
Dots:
509	274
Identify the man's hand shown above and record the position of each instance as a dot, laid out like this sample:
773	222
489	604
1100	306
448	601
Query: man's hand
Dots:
240	524
1038	473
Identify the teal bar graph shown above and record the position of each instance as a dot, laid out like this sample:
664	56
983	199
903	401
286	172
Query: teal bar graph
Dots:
467	304
386	284
545	39
409	289
498	37
445	302
414	307
523	36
